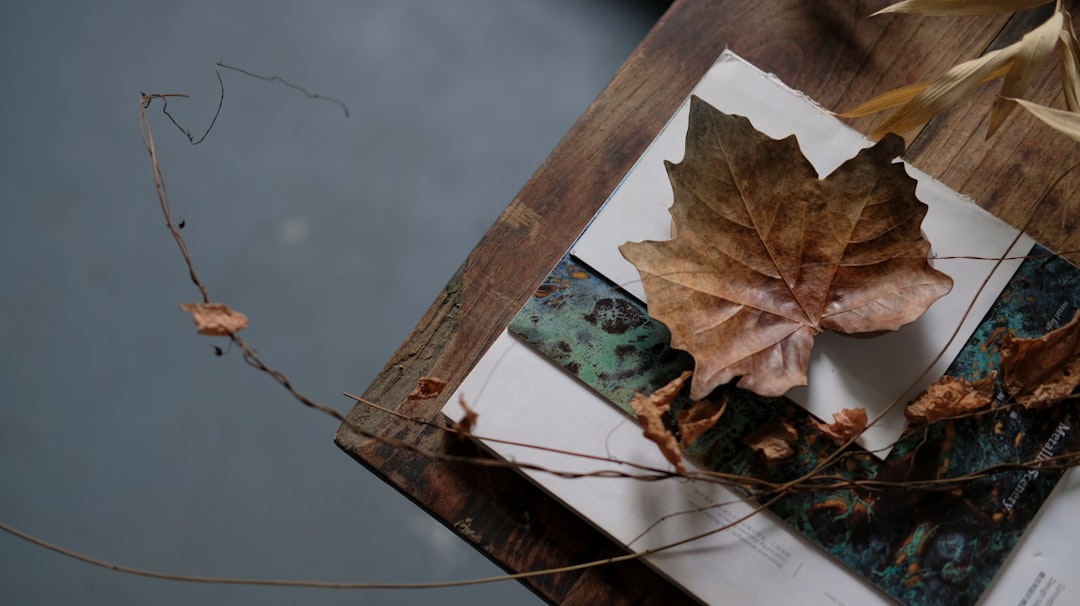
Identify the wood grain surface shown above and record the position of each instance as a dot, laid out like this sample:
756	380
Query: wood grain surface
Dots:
828	49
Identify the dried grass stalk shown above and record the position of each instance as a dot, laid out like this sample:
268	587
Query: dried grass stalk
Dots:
1032	52
953	8
1060	120
1019	63
902	95
1070	64
954	85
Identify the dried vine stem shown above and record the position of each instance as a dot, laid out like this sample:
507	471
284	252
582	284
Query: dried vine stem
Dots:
335	585
159	184
276	78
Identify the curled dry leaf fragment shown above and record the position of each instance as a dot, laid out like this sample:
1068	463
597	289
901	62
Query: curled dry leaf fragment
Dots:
427	388
698	417
465	426
1042	372
215	319
766	255
650	410
773	440
950	397
847	424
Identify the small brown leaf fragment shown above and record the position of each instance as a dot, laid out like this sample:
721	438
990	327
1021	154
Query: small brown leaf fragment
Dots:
427	388
1042	372
950	397
773	440
650	410
698	418
215	319
465	426
847	424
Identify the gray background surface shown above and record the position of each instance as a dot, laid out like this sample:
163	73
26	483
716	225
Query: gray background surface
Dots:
121	434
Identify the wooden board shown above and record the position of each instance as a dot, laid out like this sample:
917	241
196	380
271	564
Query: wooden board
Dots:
830	50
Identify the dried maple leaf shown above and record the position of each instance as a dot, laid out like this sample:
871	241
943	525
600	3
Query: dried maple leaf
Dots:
766	255
427	388
650	410
215	319
950	397
847	424
1042	372
698	417
773	440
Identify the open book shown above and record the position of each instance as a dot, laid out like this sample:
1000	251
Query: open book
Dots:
584	343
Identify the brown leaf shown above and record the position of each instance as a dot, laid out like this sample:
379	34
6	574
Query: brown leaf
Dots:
1041	372
427	388
766	255
465	426
847	424
215	319
773	440
650	410
699	417
950	397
